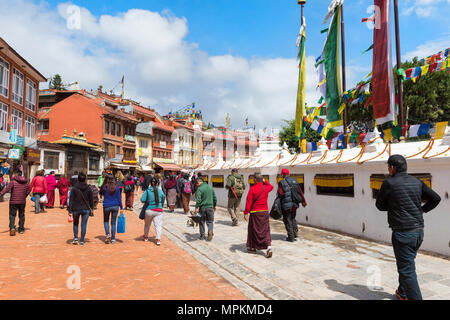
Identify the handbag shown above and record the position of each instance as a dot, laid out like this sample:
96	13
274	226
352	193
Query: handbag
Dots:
70	219
121	223
43	199
144	208
276	212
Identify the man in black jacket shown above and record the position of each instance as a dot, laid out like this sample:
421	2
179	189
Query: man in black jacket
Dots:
401	196
289	206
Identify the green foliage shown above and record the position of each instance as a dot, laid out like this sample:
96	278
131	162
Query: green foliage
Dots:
57	83
287	134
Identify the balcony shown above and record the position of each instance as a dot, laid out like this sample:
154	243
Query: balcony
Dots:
129	138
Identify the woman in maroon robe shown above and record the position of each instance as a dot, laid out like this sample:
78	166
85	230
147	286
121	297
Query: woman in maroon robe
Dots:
129	193
63	186
51	186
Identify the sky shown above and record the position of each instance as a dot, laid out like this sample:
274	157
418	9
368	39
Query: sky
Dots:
227	56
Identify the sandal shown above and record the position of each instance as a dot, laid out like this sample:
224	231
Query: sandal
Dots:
251	250
269	253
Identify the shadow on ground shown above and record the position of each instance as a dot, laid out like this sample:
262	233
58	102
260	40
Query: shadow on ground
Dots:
357	291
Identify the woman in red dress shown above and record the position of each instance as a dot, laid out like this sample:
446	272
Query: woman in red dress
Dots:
63	186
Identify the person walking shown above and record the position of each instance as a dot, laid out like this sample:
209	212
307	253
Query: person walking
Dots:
154	197
19	189
129	193
80	205
402	195
63	186
258	236
171	188
291	195
39	189
205	206
120	181
184	189
236	187
74	179
100	181
51	187
112	202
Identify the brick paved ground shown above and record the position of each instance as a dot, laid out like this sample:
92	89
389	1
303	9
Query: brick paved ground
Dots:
34	265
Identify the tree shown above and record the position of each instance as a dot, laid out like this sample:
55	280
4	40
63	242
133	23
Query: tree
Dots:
287	134
57	83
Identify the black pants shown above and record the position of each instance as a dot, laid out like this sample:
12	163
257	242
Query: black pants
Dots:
208	218
13	208
290	223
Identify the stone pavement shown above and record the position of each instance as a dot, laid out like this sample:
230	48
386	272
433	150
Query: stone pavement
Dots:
322	265
34	265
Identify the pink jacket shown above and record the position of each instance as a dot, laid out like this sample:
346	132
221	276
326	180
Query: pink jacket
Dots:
39	185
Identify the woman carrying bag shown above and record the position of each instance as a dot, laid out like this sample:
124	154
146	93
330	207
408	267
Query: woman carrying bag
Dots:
112	201
153	199
39	190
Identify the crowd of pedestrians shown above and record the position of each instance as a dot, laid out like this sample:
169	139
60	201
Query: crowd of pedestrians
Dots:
404	197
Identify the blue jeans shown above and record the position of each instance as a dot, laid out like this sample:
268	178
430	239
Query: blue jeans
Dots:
76	220
406	245
113	211
38	207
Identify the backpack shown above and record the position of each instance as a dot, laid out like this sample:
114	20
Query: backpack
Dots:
128	188
238	187
295	191
187	187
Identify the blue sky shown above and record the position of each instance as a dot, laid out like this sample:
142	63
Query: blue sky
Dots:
228	56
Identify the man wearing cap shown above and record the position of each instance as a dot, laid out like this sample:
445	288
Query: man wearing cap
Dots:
291	196
401	196
236	187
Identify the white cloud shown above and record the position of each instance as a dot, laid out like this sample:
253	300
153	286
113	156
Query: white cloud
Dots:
428	48
422	8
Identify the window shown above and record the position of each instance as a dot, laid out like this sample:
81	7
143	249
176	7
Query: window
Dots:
17	90
16	121
4	77
376	180
30	127
143	161
341	185
251	179
119	130
117	149
217	181
106	126
143	144
113	129
94	162
51	160
3	117
154	154
31	96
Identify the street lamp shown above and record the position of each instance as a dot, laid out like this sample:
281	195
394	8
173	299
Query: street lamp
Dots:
302	2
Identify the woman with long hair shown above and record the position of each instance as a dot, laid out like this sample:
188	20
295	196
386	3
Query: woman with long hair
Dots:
120	181
154	212
112	201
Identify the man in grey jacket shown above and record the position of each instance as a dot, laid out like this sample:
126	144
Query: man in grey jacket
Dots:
401	196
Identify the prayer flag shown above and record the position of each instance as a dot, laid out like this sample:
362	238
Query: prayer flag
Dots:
413	130
301	91
440	129
424	129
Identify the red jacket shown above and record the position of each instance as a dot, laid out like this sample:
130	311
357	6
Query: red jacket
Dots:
261	203
39	185
19	188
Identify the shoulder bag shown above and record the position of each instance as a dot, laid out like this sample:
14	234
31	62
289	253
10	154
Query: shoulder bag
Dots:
144	208
254	201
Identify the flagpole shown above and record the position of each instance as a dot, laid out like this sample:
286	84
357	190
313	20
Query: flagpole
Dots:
399	79
344	84
302	4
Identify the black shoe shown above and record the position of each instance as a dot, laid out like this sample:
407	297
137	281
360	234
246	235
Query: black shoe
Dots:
290	239
202	238
235	223
21	231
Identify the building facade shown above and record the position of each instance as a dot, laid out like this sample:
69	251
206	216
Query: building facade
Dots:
19	99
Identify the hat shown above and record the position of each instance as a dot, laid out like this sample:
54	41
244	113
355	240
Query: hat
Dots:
285	172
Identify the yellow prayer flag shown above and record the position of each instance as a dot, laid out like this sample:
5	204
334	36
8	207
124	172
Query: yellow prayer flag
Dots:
304	145
425	69
440	129
387	135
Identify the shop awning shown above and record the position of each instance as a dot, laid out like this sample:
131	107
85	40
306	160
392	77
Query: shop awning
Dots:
168	166
122	165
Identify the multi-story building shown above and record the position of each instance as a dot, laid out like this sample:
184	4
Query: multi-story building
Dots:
188	145
19	98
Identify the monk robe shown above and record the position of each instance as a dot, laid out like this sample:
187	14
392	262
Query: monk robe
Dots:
51	186
63	185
